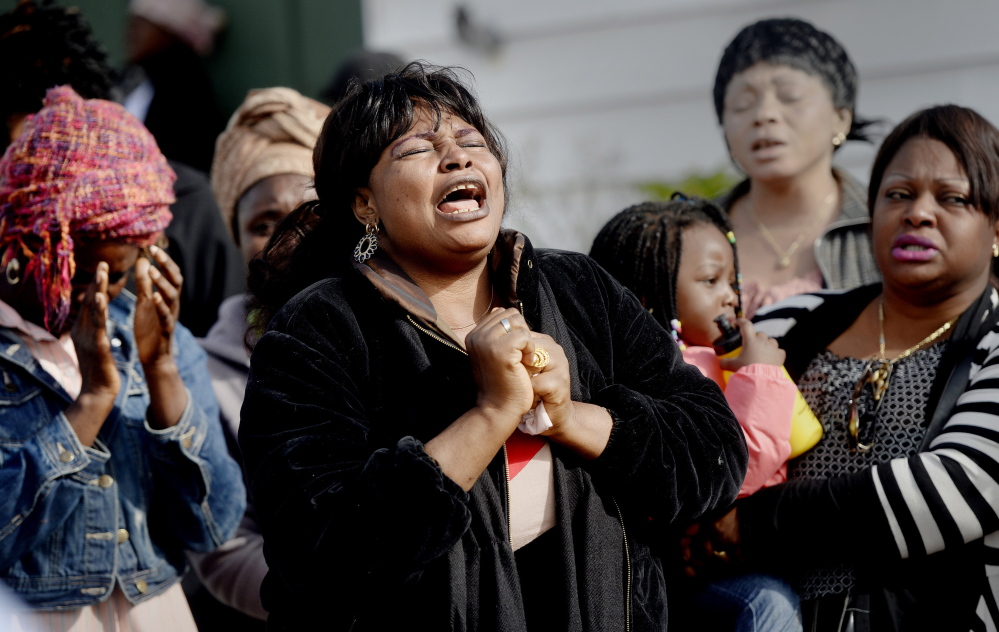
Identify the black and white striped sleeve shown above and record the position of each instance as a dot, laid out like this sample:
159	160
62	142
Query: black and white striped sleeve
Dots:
949	495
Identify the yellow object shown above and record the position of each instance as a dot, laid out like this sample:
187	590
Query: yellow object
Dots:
806	430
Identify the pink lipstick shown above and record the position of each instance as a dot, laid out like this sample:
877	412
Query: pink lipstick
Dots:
913	248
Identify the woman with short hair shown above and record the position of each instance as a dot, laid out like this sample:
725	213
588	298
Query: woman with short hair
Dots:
380	426
785	95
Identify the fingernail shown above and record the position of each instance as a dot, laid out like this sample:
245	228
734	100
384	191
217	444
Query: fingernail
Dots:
155	249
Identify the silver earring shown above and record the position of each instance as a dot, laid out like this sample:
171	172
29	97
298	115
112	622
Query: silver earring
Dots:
13	269
368	244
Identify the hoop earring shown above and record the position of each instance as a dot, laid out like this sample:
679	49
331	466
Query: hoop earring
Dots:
13	268
368	244
838	139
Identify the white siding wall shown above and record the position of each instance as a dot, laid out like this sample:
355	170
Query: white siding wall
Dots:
596	96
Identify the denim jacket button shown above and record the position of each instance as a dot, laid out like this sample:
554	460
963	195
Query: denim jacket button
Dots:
116	342
123	537
105	481
66	456
141	586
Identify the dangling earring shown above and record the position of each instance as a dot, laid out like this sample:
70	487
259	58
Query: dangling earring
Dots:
995	250
675	331
838	139
368	244
13	270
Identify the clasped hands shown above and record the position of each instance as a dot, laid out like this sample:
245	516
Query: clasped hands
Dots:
516	368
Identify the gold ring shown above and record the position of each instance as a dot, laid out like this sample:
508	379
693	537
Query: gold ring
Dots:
541	358
722	555
506	325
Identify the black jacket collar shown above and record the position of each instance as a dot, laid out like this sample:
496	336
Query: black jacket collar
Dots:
513	275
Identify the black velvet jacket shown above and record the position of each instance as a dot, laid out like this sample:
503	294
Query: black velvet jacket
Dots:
363	531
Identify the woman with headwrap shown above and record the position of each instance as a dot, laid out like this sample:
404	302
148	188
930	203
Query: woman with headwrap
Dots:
785	94
261	173
110	453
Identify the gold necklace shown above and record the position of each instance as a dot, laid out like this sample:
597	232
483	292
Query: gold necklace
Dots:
878	374
784	256
905	354
492	298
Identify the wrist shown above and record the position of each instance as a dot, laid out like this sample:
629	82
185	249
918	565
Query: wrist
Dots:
97	402
499	416
161	368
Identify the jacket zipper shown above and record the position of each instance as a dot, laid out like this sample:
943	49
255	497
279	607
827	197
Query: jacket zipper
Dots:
627	557
434	336
506	473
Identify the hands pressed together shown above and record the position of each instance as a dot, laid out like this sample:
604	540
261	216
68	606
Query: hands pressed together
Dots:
156	313
513	376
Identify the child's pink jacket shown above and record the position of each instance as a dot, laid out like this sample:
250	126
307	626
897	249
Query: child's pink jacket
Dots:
762	399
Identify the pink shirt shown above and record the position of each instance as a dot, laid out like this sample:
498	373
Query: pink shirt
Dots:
762	399
56	355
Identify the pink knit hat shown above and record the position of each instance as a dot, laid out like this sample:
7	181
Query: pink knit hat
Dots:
81	169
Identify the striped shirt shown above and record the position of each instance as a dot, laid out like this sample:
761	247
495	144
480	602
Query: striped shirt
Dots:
947	495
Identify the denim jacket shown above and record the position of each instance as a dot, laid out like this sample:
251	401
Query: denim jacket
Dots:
73	519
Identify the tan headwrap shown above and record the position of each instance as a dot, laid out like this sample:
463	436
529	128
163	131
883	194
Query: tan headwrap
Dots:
272	133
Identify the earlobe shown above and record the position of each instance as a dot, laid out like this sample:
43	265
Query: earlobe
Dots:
846	120
363	211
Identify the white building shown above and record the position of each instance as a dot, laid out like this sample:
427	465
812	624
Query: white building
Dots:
596	97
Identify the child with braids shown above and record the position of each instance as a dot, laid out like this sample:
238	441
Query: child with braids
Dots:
679	258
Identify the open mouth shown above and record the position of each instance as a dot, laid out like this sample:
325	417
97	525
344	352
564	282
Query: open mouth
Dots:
765	143
462	198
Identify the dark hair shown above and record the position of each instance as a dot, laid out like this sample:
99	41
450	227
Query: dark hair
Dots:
974	141
641	247
43	46
362	66
798	44
318	238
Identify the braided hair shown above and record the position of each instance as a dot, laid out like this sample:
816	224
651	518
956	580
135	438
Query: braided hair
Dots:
43	45
641	247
